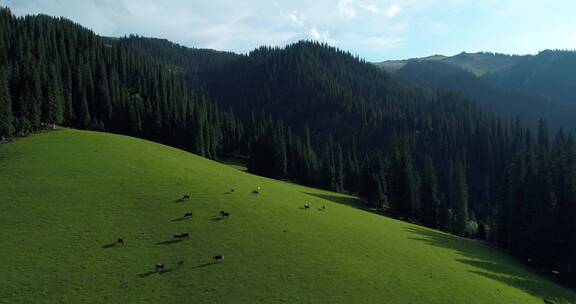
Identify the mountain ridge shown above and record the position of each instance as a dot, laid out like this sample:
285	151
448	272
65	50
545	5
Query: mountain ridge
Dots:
320	115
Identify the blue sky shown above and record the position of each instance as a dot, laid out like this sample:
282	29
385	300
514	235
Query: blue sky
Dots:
373	29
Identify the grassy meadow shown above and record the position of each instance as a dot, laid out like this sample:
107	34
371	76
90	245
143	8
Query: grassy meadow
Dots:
66	196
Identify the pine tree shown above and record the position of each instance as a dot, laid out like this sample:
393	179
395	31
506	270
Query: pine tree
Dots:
6	115
35	102
373	184
460	199
103	95
429	196
352	170
53	108
402	200
338	169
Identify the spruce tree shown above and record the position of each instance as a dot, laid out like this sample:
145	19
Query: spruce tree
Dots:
53	108
6	115
429	196
460	199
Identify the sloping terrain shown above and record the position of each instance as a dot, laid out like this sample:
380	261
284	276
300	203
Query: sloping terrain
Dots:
477	63
66	196
504	100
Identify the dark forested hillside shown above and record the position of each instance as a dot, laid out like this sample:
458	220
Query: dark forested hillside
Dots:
308	113
58	73
505	100
550	73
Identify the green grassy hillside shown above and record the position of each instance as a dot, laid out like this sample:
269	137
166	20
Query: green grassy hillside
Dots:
476	63
66	196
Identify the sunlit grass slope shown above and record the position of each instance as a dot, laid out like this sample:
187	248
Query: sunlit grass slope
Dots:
66	196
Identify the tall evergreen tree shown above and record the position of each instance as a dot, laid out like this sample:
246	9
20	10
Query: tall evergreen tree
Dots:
429	196
53	108
460	199
6	116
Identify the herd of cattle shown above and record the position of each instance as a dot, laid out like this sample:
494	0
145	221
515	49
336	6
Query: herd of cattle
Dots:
180	236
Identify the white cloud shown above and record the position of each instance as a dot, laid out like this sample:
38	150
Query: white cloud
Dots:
242	27
371	8
380	44
439	27
393	10
346	8
296	19
320	35
401	28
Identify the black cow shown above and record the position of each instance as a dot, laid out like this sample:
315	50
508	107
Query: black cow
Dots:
188	214
186	197
231	190
182	235
306	206
120	241
224	214
180	263
159	267
218	258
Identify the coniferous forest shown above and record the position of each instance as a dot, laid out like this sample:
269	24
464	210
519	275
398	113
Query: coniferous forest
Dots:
307	113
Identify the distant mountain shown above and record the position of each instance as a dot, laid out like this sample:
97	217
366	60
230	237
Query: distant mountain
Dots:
530	87
392	66
550	73
477	63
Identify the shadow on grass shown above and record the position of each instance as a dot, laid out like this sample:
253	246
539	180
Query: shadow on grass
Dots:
348	201
180	219
181	200
108	246
236	163
204	265
166	271
151	272
146	274
217	218
493	264
169	242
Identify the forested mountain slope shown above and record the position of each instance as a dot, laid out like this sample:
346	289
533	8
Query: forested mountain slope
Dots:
550	73
502	99
308	113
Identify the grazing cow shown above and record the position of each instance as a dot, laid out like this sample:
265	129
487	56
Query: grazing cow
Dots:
188	214
186	197
180	263
159	267
120	241
218	258
182	235
232	190
224	214
323	207
306	206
